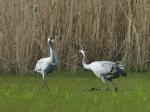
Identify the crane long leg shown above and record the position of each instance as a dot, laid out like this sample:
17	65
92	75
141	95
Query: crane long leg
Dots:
101	89
116	89
43	84
46	84
106	86
43	81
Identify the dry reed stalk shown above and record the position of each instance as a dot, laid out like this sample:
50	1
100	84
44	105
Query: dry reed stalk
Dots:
108	30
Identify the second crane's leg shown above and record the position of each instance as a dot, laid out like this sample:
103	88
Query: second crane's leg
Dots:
116	89
106	86
43	81
46	83
102	89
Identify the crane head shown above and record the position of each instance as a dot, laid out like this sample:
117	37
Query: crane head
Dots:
82	51
51	40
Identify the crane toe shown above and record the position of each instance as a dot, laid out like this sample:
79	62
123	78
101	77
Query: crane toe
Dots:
92	89
104	89
98	89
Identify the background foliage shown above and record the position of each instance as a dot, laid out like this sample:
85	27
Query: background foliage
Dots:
108	30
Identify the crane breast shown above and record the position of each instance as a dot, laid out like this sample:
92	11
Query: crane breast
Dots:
42	64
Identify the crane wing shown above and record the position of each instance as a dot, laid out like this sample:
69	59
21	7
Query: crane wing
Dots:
102	67
41	63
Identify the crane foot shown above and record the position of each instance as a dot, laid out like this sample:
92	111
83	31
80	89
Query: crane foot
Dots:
98	89
104	89
92	89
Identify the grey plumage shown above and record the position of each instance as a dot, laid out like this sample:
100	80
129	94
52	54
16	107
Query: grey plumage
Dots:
48	64
105	70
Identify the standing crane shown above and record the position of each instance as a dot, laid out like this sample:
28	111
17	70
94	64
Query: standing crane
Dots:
105	70
48	64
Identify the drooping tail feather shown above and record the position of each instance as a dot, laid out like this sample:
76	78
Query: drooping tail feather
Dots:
120	70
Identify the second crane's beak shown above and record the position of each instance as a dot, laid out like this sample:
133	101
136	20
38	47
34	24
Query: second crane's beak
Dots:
82	51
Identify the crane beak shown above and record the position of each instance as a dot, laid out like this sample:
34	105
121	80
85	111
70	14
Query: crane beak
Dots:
81	51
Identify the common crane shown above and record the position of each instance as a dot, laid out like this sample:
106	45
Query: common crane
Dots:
105	70
48	64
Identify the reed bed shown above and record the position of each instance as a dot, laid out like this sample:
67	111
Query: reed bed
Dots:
116	30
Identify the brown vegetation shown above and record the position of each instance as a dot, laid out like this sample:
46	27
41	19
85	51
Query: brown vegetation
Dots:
107	29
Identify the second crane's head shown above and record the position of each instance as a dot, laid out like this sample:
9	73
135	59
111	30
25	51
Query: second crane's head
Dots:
50	41
82	51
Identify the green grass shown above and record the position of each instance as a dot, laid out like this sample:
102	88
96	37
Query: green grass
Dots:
24	93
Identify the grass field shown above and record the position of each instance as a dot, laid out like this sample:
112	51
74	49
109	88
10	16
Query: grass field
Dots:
24	93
